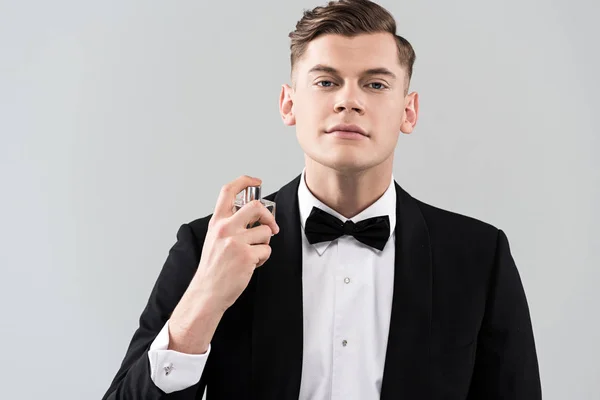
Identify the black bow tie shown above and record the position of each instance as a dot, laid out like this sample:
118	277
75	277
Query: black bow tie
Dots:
323	227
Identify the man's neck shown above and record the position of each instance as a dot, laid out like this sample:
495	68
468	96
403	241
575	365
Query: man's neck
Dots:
348	193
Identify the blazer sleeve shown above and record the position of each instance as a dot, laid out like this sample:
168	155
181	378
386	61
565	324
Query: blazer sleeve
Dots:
506	365
133	380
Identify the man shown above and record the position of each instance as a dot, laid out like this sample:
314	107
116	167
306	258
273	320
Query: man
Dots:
356	290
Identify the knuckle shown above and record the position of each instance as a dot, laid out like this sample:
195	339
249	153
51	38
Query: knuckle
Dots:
267	252
226	188
228	243
220	229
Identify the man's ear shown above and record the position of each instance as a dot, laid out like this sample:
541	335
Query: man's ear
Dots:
411	113
286	105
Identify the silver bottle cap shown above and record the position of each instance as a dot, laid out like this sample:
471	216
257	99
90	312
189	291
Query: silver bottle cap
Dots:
251	193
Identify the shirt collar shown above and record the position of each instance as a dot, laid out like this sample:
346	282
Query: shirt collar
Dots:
385	205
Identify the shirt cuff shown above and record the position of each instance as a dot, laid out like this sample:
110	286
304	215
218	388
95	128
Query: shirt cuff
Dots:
171	370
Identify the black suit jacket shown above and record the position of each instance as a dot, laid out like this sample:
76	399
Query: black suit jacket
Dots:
460	325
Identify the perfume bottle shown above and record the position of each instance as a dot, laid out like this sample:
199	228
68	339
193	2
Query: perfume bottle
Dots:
249	194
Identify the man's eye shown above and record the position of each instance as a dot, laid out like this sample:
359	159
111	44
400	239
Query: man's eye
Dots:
325	83
378	85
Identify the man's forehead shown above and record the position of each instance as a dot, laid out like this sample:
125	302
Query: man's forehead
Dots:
359	52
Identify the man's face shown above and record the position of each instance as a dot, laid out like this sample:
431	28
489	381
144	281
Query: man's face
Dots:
355	81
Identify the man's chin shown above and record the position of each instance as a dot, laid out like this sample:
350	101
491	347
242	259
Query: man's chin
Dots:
346	164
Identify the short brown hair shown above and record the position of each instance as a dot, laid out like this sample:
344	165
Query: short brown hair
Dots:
348	18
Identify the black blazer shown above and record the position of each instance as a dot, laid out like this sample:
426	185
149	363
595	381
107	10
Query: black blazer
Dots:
460	325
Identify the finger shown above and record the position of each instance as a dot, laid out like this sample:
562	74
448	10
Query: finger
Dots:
223	208
257	235
262	252
252	212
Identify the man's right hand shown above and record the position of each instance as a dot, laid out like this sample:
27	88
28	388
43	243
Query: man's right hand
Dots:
229	256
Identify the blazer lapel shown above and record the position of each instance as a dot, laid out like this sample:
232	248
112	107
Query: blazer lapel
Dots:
406	371
277	331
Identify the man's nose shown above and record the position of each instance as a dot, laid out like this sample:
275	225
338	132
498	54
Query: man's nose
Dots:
349	102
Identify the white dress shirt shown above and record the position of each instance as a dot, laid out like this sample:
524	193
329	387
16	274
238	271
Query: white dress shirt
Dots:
347	290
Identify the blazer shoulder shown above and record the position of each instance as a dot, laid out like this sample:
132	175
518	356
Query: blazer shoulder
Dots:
457	228
462	241
197	228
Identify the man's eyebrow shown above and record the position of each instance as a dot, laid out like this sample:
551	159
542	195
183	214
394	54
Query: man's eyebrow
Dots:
333	71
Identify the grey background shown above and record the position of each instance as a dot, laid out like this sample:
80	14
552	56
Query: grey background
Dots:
120	120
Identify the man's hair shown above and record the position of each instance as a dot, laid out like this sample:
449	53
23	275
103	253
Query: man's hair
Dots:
348	18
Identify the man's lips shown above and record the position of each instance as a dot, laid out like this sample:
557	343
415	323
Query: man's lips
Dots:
347	130
347	135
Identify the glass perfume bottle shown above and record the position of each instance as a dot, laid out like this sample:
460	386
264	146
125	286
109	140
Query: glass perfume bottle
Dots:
249	194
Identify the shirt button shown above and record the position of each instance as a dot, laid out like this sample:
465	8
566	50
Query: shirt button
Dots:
346	280
344	343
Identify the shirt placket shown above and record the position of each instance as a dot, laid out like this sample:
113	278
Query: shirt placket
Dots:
342	329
